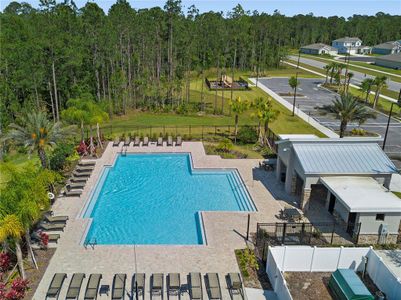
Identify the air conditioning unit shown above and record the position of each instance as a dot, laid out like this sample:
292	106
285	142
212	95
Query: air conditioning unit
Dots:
383	233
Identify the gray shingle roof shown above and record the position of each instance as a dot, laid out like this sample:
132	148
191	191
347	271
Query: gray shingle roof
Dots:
348	39
343	158
388	45
318	46
391	57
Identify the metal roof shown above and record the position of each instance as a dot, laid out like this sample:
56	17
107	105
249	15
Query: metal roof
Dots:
343	158
362	194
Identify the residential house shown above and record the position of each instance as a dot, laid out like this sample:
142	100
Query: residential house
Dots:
347	45
387	48
389	61
318	49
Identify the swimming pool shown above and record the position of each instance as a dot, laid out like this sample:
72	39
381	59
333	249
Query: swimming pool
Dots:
156	199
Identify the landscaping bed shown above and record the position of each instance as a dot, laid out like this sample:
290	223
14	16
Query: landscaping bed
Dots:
252	270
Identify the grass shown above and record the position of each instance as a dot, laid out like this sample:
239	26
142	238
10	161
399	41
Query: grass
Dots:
372	71
398	194
384	104
176	123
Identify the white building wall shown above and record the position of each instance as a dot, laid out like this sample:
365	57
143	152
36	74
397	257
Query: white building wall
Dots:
341	210
369	225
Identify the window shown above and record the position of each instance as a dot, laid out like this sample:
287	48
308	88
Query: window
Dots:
379	217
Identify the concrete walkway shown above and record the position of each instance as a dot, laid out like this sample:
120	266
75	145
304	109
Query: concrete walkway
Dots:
298	112
225	231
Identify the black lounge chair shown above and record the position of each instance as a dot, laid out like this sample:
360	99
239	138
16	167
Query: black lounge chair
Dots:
213	286
137	141
156	286
127	141
73	193
145	141
81	174
235	284
169	141
195	286
138	285
56	219
92	287
116	142
174	285
84	169
178	141
53	238
160	141
118	289
87	163
75	179
52	227
75	286
75	185
56	285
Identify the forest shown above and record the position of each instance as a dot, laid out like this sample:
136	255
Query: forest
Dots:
130	59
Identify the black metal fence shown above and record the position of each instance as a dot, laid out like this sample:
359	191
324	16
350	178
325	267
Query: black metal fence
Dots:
188	132
313	234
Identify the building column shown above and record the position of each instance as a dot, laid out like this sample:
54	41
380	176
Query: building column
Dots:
305	198
290	172
278	169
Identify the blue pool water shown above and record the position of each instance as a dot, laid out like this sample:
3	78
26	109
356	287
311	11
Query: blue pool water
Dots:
156	199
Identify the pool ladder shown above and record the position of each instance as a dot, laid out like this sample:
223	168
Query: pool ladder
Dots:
92	243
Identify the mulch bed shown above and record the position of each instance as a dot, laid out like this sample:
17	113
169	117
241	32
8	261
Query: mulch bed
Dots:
33	275
257	279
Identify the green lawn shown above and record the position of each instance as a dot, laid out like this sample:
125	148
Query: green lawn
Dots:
398	194
179	124
372	68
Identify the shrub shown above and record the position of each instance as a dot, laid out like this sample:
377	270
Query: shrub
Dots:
358	132
82	149
225	145
4	261
267	152
247	135
59	156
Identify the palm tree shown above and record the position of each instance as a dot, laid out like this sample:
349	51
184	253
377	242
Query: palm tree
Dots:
265	114
11	228
327	68
380	83
85	111
366	87
37	133
333	68
348	80
293	82
238	106
340	68
348	109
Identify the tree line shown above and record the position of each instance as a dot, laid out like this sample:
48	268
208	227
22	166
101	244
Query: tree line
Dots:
146	58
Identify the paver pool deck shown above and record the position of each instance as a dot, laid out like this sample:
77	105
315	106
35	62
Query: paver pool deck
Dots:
225	231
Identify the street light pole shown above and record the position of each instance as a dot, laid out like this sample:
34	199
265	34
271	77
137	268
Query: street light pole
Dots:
299	57
389	118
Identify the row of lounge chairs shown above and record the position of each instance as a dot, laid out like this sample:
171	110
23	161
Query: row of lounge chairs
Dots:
137	141
50	223
80	175
174	288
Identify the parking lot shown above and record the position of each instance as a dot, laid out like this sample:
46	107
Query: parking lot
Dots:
313	96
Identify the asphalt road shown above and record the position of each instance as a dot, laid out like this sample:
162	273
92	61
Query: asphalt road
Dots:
370	59
315	96
358	76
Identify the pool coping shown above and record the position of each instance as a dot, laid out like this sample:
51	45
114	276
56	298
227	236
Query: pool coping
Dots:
102	177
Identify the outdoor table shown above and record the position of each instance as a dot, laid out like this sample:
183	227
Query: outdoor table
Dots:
293	214
104	289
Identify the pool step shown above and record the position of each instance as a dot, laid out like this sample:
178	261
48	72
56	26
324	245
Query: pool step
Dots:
242	190
237	193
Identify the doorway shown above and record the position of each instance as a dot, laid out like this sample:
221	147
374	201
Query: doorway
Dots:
332	203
